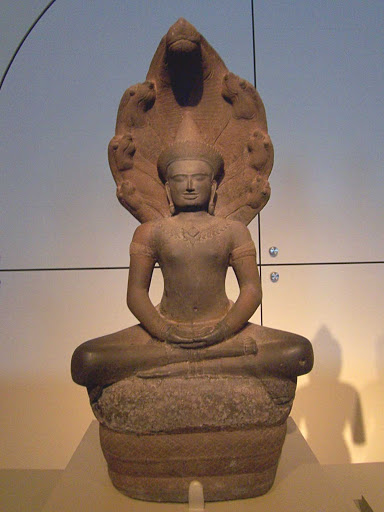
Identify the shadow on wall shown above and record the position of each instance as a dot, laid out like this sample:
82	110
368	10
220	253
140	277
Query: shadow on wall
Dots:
326	406
373	399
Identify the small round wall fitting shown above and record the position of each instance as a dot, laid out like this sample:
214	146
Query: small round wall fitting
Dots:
273	251
274	277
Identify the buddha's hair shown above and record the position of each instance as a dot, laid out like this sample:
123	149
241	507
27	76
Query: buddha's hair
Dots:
190	150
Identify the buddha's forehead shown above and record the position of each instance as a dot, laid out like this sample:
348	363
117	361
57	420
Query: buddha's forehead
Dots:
189	167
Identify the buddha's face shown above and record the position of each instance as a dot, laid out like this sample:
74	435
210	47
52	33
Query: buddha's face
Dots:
190	184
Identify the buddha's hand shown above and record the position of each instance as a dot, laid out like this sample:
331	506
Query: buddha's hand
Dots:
198	338
179	335
213	335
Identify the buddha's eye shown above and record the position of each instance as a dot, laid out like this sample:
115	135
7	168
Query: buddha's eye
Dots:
179	178
200	177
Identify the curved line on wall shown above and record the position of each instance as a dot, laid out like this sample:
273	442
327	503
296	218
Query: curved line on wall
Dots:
23	40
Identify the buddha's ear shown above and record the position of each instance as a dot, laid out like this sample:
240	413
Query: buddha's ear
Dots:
211	206
169	197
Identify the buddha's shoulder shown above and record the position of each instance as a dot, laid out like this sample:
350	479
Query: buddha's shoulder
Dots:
147	230
235	226
155	228
239	233
222	224
232	223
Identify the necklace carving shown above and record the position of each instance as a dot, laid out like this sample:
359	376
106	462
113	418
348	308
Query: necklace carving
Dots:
193	234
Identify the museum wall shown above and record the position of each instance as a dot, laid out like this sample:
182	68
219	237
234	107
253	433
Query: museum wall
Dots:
65	239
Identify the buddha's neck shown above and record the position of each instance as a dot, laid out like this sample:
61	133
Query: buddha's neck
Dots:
192	216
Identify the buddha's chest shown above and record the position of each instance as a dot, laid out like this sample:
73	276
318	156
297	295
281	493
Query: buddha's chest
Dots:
192	245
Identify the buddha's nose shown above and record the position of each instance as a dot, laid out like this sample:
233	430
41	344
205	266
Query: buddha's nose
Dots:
190	184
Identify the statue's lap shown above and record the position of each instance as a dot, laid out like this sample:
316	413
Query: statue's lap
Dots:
116	356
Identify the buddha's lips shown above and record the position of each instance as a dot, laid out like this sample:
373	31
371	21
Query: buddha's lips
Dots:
190	196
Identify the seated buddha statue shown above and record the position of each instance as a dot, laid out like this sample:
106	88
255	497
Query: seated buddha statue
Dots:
195	328
194	390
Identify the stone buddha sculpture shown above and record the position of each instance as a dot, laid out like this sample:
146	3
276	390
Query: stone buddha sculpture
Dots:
191	158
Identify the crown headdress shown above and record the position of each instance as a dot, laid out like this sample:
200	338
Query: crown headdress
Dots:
189	145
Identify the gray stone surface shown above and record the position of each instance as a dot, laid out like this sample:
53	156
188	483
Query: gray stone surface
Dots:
180	404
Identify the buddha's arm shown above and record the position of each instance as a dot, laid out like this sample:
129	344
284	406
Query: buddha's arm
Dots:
250	293
140	275
243	261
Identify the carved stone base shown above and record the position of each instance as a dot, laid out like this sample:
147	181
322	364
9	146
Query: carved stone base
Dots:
229	464
158	435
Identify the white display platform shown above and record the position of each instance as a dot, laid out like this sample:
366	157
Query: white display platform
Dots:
356	480
301	485
23	490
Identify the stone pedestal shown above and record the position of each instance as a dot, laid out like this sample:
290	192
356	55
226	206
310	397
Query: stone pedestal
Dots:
158	435
229	464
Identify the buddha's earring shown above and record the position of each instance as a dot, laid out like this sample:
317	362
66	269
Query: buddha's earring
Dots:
169	197
172	208
211	205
